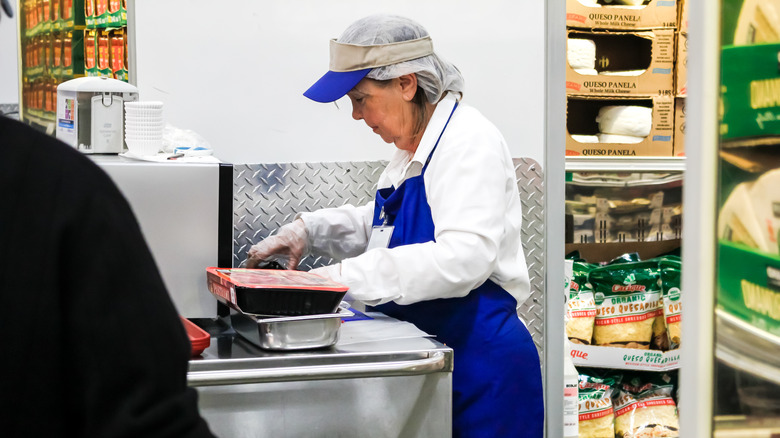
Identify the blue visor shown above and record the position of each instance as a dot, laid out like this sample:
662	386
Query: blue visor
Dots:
332	86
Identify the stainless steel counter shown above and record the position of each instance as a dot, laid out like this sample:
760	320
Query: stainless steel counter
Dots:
383	378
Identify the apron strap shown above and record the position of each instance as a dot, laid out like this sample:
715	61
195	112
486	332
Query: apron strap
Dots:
438	139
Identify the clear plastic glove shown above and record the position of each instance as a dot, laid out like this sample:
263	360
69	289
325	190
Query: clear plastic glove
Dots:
288	246
332	272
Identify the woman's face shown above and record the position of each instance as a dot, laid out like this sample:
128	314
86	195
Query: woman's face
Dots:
387	109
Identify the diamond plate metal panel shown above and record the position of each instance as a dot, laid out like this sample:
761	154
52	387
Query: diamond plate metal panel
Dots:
530	183
267	196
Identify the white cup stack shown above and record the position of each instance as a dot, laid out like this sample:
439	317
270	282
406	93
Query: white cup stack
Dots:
144	127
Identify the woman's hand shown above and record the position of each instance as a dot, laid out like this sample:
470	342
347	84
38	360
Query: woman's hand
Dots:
288	245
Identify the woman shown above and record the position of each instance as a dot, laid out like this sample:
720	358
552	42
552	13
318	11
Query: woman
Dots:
440	246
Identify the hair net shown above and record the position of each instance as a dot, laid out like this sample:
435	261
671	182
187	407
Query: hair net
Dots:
434	75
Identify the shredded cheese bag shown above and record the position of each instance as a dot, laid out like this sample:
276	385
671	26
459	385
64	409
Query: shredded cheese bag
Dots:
628	300
670	286
596	414
580	307
645	408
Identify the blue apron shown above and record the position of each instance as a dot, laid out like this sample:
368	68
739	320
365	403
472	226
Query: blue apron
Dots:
497	385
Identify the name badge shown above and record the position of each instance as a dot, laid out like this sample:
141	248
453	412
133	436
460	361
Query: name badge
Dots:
380	237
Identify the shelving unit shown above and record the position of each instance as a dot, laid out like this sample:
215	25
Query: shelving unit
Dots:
637	164
61	40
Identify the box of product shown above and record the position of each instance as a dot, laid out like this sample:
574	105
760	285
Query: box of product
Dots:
101	13
682	17
750	95
89	13
90	52
72	54
612	126
622	63
117	14
104	52
71	14
679	127
56	69
621	14
117	46
681	65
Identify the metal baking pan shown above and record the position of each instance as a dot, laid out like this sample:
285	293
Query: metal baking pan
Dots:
289	333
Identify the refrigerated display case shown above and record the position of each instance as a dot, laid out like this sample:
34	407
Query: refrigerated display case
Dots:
626	211
625	169
732	252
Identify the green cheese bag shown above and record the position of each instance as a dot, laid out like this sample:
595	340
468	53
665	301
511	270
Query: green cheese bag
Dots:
670	286
580	307
628	300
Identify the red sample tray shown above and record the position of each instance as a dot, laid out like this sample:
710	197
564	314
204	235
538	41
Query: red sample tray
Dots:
275	292
199	338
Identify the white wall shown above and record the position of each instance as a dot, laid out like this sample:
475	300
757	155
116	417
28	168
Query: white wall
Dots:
235	74
234	71
9	62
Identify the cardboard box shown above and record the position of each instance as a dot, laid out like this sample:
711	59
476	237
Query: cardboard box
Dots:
581	112
650	51
679	127
681	66
624	358
656	14
682	17
604	252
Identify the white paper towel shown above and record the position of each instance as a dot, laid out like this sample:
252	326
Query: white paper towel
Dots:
581	53
625	120
587	71
585	138
615	138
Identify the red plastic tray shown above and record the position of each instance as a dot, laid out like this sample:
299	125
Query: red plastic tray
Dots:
199	338
275	292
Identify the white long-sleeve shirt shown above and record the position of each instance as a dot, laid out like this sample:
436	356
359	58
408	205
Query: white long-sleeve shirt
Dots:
471	189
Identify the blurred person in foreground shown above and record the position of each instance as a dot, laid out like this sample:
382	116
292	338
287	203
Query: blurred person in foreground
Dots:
93	346
440	245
